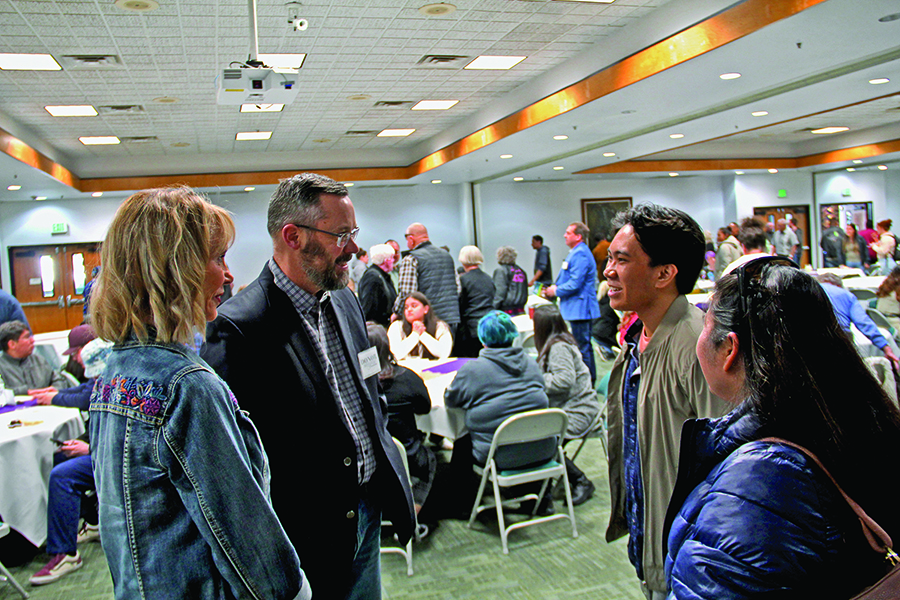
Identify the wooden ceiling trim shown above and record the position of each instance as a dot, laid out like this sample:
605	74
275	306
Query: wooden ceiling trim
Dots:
728	26
16	148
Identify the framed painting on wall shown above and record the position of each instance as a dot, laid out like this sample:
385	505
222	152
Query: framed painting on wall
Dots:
598	214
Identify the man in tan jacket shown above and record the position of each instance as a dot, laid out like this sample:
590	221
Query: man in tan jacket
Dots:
656	382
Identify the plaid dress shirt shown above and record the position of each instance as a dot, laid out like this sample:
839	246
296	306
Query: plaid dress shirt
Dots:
317	315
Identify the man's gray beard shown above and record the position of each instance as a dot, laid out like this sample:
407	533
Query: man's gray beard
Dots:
330	278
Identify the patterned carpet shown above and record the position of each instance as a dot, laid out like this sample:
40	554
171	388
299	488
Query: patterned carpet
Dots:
544	562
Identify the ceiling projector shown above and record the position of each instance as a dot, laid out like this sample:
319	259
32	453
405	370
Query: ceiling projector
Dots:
257	86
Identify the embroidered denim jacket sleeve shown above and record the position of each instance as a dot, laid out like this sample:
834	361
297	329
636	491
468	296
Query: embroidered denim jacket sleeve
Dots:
216	462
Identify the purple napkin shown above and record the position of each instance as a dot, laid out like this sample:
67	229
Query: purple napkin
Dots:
12	407
449	367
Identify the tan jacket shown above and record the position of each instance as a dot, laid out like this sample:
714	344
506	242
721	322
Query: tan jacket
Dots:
672	390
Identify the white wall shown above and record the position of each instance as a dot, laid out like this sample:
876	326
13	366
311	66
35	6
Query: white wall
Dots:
505	213
510	213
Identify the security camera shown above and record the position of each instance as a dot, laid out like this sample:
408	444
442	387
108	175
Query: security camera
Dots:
299	24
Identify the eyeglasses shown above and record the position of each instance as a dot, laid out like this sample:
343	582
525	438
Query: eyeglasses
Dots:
342	238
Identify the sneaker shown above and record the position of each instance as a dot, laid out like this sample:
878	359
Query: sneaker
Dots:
88	533
59	565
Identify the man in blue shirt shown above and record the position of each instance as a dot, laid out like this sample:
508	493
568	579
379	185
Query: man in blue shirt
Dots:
847	309
10	309
576	288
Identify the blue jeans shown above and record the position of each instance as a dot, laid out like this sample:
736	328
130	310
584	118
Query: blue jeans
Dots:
366	571
68	482
581	331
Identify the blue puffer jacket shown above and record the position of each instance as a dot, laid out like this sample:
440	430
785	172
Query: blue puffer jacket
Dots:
757	519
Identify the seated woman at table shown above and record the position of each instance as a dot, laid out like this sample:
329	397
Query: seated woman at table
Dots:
419	334
567	382
758	518
503	381
181	475
406	397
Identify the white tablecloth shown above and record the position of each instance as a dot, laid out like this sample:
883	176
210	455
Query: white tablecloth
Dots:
448	422
863	283
26	458
842	272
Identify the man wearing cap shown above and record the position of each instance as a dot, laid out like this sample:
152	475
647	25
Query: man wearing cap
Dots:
80	395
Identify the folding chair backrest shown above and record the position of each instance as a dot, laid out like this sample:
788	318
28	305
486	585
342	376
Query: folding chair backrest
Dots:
530	426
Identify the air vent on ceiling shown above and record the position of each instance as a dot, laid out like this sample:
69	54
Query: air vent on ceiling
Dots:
82	62
139	139
392	103
121	109
231	74
442	61
361	132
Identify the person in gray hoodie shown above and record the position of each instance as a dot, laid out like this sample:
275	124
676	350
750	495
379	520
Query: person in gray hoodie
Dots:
503	381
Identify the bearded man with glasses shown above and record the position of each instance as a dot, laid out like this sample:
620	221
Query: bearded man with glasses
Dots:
298	335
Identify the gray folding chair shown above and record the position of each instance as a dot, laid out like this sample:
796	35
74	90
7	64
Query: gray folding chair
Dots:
529	426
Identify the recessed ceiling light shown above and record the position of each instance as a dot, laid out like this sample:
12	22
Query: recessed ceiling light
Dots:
857	161
249	188
435	104
28	62
245	136
349	184
282	62
889	18
357	97
138	5
673	174
500	63
591	1
166	100
180	144
560	137
676	136
13	188
395	132
825	130
882	167
97	194
773	170
98	140
738	172
759	113
727	76
879	80
435	181
506	156
609	154
438	9
258	108
84	110
518	178
40	197
851	169
558	168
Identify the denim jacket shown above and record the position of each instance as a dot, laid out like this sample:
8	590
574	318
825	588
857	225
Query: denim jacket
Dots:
183	483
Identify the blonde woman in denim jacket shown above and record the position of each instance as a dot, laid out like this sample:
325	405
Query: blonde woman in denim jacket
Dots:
180	471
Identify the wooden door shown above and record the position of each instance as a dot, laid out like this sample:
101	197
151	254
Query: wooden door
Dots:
798	214
49	282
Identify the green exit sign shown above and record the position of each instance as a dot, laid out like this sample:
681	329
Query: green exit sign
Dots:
56	228
782	193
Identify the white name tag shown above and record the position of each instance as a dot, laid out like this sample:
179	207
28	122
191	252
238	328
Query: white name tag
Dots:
368	363
565	265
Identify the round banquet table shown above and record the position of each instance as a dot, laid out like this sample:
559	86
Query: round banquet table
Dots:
26	458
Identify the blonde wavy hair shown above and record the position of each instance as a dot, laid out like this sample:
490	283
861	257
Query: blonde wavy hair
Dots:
154	265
